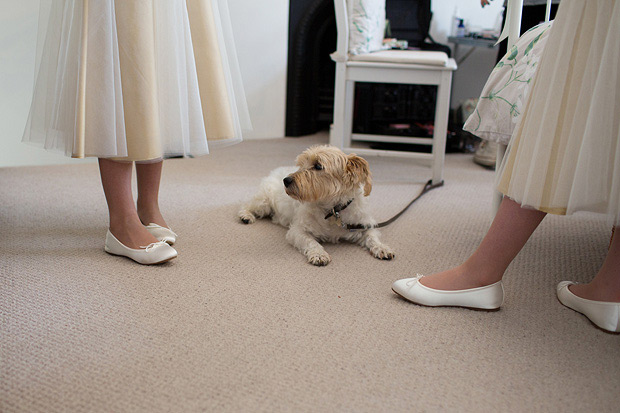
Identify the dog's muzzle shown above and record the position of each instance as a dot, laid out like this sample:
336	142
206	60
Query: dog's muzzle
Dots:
287	181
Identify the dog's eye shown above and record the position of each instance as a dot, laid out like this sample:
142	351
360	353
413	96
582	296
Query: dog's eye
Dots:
318	166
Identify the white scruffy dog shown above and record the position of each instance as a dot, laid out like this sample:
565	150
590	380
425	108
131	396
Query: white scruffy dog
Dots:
316	200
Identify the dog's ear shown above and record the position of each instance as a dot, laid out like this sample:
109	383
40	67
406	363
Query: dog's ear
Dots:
359	171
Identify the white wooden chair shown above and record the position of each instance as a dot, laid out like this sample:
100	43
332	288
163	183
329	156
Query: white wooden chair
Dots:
391	66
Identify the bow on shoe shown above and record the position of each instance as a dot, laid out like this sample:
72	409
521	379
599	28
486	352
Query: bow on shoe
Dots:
153	245
414	280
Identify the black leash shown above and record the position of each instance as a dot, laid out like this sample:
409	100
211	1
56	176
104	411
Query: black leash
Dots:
428	187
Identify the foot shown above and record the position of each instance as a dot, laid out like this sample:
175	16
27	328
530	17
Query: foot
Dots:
458	278
382	252
593	292
131	233
152	215
604	314
489	297
155	253
246	217
319	258
162	233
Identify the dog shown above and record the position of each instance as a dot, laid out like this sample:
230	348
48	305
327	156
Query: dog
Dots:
316	200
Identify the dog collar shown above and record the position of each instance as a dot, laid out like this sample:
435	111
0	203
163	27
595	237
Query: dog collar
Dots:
335	211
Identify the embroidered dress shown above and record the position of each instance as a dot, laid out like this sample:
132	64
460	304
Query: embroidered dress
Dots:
136	80
502	99
565	154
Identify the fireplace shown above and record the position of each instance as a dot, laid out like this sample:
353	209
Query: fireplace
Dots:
311	72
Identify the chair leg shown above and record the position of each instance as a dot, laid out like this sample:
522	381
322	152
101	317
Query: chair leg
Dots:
440	129
349	107
336	132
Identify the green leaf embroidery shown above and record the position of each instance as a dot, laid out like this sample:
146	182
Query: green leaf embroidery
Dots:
513	53
531	45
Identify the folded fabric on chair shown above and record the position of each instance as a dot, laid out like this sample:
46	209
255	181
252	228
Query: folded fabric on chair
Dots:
419	57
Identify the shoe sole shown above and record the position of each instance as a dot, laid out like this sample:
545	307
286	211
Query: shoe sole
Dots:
486	310
152	263
615	333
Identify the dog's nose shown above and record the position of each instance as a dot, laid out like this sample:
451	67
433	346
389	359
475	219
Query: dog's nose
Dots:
287	181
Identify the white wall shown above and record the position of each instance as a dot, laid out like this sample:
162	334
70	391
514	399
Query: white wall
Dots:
18	37
261	36
261	33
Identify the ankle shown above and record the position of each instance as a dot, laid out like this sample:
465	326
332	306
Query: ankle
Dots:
605	287
151	215
480	274
148	213
120	221
130	231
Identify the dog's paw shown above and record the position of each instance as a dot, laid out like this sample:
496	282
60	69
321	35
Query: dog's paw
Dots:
247	217
319	259
383	252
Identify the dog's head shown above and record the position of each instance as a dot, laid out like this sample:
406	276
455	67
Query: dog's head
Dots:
325	173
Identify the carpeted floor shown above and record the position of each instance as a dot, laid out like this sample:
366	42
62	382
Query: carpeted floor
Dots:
240	321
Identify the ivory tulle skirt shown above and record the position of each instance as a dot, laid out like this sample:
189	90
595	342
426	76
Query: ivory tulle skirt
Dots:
136	80
564	156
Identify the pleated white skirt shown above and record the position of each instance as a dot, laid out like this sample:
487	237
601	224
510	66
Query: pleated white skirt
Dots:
136	80
565	154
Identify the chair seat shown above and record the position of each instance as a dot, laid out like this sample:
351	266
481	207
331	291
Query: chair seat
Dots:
419	57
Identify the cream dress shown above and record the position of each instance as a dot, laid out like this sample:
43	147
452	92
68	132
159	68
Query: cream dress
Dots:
136	80
565	154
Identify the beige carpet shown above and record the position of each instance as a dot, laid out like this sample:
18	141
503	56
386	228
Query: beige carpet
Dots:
240	321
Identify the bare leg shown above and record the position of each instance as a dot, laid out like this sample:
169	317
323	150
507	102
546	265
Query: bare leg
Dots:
507	235
149	176
606	284
124	222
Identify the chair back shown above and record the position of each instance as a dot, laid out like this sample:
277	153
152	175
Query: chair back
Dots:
342	26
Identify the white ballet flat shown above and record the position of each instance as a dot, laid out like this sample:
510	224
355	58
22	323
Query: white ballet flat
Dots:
162	233
155	253
490	297
603	314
